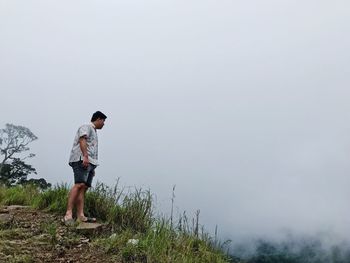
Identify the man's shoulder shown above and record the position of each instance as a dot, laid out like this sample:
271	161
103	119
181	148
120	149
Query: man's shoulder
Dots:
86	126
87	129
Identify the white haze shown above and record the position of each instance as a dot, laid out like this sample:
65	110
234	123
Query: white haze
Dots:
243	105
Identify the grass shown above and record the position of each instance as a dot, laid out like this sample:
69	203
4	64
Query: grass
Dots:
18	195
53	200
161	243
135	234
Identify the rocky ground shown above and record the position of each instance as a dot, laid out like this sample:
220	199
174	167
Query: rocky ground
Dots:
28	235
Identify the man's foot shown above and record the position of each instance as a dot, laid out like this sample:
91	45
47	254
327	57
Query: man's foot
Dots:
86	219
68	221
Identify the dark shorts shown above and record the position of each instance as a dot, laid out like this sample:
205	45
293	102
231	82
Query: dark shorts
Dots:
81	174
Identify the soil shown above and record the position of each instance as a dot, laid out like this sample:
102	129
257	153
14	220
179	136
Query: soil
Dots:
28	235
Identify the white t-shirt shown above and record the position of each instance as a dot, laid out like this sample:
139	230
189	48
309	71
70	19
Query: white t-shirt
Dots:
76	154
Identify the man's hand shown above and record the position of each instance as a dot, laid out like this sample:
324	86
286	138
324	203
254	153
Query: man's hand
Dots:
83	147
86	162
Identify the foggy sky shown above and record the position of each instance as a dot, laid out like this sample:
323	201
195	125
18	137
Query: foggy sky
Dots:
243	105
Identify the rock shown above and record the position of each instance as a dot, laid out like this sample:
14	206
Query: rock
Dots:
6	219
89	225
89	228
3	210
84	240
113	236
16	207
133	241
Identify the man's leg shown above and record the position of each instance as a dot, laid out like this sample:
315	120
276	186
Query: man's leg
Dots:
81	198
73	199
80	203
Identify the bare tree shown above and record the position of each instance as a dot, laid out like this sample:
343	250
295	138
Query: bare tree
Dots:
14	142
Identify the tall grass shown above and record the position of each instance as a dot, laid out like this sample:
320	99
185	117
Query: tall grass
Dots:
163	242
54	199
18	195
120	208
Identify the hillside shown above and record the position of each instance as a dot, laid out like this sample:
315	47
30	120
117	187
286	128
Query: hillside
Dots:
30	235
128	231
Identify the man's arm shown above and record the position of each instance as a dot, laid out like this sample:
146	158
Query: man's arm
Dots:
83	148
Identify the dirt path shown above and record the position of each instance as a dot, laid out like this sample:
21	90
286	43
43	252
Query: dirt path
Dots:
28	235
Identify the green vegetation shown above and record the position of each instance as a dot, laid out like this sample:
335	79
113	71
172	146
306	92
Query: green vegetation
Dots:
132	232
18	195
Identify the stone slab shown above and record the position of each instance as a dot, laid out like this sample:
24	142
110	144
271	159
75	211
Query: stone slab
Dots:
89	229
88	226
5	219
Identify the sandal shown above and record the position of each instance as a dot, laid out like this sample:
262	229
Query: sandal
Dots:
68	222
87	220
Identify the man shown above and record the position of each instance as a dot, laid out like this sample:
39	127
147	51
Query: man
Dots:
83	160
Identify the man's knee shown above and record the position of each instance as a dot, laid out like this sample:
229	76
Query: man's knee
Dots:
81	186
